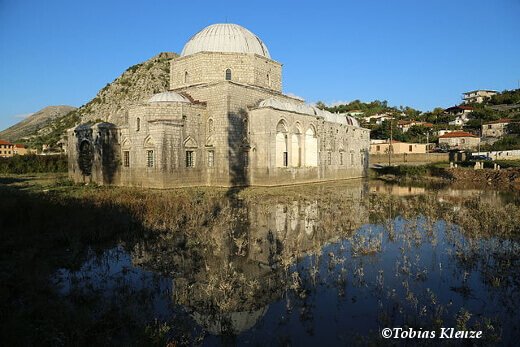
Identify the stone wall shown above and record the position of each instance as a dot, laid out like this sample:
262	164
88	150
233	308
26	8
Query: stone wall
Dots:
94	154
208	67
341	149
409	158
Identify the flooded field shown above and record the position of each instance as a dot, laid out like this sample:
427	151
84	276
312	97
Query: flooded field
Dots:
327	264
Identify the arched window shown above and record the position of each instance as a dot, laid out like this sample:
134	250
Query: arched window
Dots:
210	126
138	124
311	147
228	74
186	77
282	157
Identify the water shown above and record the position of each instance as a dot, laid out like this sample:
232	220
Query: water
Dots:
332	266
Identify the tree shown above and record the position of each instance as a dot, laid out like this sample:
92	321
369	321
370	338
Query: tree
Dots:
513	128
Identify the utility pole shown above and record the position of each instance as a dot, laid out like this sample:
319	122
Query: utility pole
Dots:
428	144
479	136
390	148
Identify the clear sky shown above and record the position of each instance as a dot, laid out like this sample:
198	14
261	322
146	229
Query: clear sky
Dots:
417	53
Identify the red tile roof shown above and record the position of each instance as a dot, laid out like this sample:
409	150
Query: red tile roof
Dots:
2	142
456	134
19	145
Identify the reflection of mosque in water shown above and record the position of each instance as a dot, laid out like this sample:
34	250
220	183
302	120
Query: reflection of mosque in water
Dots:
228	286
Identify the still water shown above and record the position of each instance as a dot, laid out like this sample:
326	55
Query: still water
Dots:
326	265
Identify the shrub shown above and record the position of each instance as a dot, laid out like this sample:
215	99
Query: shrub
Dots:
22	164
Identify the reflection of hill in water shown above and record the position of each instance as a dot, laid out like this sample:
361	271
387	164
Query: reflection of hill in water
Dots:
229	274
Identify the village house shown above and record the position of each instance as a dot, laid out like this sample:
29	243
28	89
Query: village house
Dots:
379	118
477	96
497	128
405	125
459	140
19	149
396	147
462	114
6	149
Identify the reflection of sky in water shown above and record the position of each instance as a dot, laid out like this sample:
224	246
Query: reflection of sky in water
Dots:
404	272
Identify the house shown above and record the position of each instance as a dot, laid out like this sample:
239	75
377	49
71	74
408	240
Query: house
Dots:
462	113
396	147
477	96
459	140
405	125
6	149
379	118
495	128
355	113
19	149
444	131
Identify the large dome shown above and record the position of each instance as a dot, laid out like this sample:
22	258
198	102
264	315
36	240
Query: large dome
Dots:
225	38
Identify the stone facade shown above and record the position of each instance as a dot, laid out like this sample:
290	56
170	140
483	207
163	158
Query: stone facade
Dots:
459	140
224	122
495	129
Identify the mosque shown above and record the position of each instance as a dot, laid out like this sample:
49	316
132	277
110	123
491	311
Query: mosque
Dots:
223	122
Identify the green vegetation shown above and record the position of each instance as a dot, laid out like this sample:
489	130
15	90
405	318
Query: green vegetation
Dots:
413	171
506	97
57	129
22	164
416	133
508	142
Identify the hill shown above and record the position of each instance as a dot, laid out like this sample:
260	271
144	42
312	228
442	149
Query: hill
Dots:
35	123
111	103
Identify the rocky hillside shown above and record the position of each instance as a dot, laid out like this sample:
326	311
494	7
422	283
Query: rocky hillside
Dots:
111	103
137	83
35	124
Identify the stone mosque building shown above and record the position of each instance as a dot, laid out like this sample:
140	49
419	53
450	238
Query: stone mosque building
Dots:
224	122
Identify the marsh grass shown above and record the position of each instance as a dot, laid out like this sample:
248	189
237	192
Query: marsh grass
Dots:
202	238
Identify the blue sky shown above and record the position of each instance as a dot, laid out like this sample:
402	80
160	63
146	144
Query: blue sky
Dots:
417	53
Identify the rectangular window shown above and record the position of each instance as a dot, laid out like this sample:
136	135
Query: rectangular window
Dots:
410	148
126	159
285	159
211	158
340	158
489	126
378	148
149	158
190	159
329	158
246	159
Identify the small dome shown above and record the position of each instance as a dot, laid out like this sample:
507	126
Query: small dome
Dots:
168	97
225	38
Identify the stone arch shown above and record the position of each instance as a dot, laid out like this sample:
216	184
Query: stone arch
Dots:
85	157
311	146
149	142
210	141
126	144
281	148
190	142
